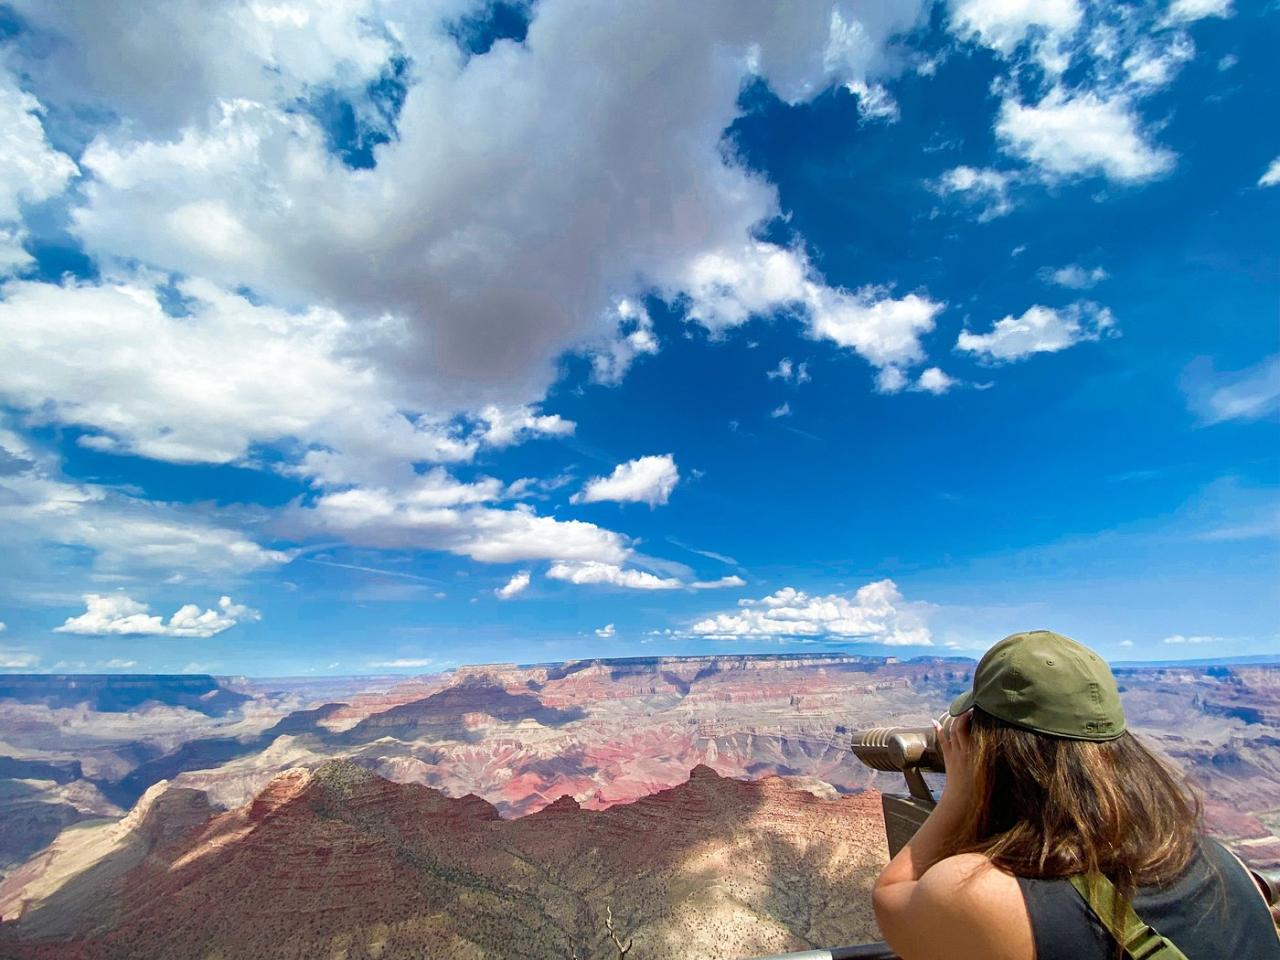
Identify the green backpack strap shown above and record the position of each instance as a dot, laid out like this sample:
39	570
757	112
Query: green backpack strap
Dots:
1140	941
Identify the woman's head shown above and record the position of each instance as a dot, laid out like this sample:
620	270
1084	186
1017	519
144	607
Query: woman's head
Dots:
1060	785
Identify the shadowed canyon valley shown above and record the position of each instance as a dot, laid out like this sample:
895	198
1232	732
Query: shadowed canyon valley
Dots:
696	806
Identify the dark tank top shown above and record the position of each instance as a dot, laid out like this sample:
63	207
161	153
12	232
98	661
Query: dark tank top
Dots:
1211	912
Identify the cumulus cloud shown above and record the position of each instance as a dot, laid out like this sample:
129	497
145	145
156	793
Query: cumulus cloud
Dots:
447	516
883	329
643	480
891	380
1247	394
106	58
935	381
441	233
635	338
208	384
611	574
503	427
31	170
119	615
781	411
1073	276
411	312
1039	330
1271	176
986	189
1071	134
1187	11
515	586
1004	24
606	631
875	612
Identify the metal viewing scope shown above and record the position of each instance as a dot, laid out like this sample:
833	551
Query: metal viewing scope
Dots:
912	751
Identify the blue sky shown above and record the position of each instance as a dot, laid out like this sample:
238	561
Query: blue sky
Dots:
385	338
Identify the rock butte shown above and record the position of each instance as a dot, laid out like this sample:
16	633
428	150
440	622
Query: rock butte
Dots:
339	860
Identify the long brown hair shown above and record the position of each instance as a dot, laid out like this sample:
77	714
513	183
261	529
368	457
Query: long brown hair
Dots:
1051	807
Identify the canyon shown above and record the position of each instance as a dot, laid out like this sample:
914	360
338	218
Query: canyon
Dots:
704	803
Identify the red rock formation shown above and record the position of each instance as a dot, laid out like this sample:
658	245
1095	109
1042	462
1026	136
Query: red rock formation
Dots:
341	860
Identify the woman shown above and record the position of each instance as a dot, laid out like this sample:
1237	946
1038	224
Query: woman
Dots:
1045	784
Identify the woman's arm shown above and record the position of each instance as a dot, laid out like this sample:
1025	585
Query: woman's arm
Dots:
958	908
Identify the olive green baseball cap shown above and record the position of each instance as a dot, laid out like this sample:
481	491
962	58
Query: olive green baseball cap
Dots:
1045	682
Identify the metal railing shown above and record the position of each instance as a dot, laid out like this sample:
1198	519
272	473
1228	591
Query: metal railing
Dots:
863	951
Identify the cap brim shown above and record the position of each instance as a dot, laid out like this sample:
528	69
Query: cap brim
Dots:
961	703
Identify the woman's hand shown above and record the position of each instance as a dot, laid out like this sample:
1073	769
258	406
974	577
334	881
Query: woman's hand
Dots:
957	755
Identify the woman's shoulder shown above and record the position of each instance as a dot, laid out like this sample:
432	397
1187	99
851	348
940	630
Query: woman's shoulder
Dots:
974	901
969	871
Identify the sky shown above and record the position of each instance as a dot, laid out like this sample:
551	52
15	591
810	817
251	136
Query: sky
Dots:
387	336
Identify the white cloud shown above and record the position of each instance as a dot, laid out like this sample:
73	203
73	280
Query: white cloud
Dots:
119	615
635	338
30	169
409	519
875	102
935	381
1247	394
3	627
782	411
1153	65
1178	638
515	586
1004	24
731	285
789	372
1188	11
891	380
124	64
503	427
228	179
1039	330
986	188
17	659
884	330
1271	176
116	663
733	580
208	385
400	663
610	574
606	631
1073	276
643	480
412	313
876	612
1083	133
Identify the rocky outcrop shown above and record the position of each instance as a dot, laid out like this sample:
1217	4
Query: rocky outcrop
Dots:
338	860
